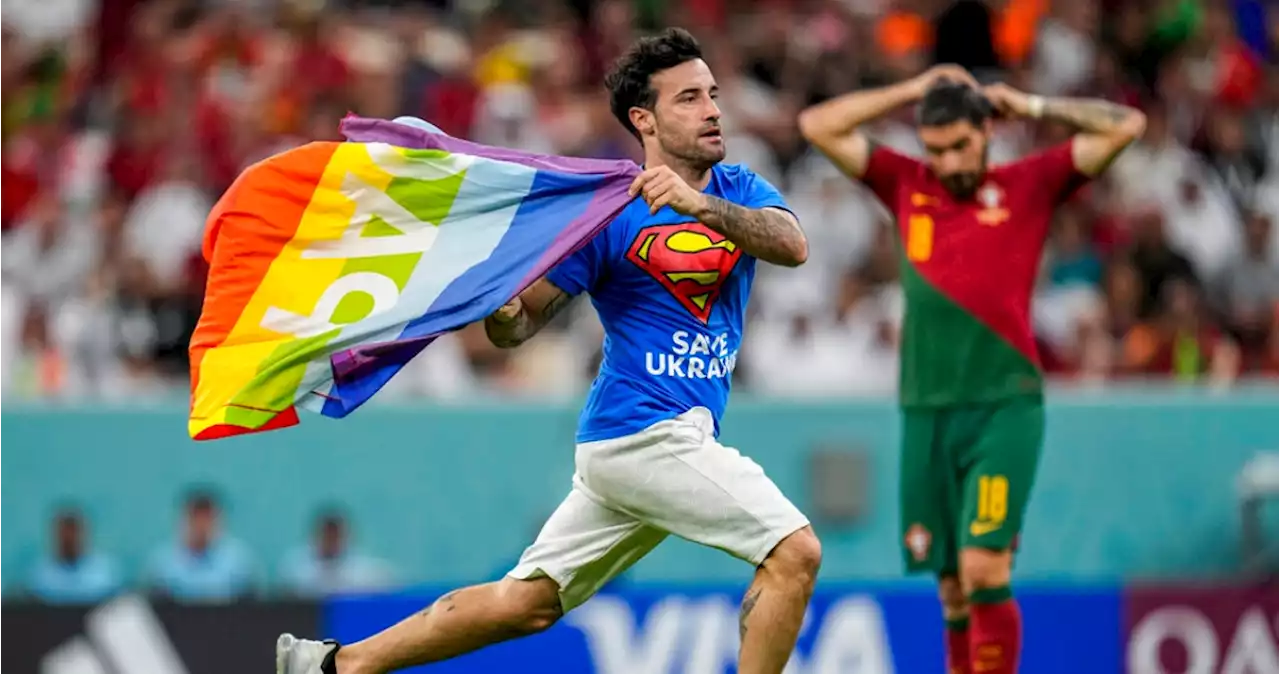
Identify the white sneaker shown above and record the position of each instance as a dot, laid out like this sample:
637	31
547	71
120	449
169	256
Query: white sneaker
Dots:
303	656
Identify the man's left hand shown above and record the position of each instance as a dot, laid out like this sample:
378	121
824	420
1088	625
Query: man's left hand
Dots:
1009	102
660	186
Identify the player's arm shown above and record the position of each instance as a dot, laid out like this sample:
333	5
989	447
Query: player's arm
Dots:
1104	129
769	234
521	318
833	126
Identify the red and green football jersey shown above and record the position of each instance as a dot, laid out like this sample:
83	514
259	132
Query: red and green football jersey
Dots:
968	271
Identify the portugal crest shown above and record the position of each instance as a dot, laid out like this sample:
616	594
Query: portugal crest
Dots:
993	212
918	539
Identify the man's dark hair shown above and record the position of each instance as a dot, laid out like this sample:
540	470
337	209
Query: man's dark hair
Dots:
948	102
628	82
68	514
330	515
201	498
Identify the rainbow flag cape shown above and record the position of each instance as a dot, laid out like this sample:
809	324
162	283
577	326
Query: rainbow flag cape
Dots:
333	264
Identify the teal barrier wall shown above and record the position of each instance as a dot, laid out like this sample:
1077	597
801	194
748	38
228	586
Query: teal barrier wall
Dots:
1132	485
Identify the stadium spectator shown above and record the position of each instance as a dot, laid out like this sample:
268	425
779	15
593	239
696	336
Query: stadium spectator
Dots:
1067	308
1239	165
1248	292
72	573
1181	341
1072	260
203	564
328	565
1234	71
1156	261
1066	55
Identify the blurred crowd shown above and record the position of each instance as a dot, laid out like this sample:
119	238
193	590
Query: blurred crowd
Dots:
123	120
203	562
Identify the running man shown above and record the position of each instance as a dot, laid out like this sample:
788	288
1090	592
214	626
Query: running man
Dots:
971	239
670	278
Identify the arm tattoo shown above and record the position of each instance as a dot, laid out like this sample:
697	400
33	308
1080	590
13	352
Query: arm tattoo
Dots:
1090	115
1108	128
763	233
526	324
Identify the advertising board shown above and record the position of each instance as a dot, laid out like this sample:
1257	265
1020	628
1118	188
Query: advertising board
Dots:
894	629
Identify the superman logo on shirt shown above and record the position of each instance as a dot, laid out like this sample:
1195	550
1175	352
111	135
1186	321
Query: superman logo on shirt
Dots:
689	259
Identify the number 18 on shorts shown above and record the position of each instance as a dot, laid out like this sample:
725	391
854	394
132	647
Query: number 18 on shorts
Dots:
965	479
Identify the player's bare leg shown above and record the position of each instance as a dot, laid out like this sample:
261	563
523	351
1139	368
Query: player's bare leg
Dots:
995	624
459	622
955	613
773	608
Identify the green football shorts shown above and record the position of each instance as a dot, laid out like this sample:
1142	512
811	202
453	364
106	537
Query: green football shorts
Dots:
966	475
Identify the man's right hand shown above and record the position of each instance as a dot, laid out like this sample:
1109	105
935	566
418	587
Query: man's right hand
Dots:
946	71
523	315
509	311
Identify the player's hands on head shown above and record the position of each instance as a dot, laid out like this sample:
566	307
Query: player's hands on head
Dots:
509	311
660	186
1007	101
945	71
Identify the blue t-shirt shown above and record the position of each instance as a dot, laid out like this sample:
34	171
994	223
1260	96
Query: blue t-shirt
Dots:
672	297
223	572
88	580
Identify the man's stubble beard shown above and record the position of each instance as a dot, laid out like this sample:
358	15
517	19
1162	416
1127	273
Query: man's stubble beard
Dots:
692	154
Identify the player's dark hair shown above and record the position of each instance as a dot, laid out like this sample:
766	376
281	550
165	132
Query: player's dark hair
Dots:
628	82
948	102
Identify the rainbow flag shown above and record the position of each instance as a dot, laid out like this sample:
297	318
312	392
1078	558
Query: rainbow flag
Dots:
333	264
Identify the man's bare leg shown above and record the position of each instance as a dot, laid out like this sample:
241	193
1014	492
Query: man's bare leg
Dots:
773	608
459	622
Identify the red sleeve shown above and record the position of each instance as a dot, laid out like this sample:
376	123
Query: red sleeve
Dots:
1053	172
886	171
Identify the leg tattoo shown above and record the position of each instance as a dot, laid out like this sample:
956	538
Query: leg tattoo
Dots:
748	603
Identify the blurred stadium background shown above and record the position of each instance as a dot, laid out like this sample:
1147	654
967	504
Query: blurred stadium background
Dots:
1151	542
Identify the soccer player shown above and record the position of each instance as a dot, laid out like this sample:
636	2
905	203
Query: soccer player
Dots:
971	238
670	278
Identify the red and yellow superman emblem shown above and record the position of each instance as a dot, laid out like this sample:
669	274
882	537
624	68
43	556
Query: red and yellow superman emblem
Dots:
689	259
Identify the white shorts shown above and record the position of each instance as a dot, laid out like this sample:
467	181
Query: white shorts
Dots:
629	493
